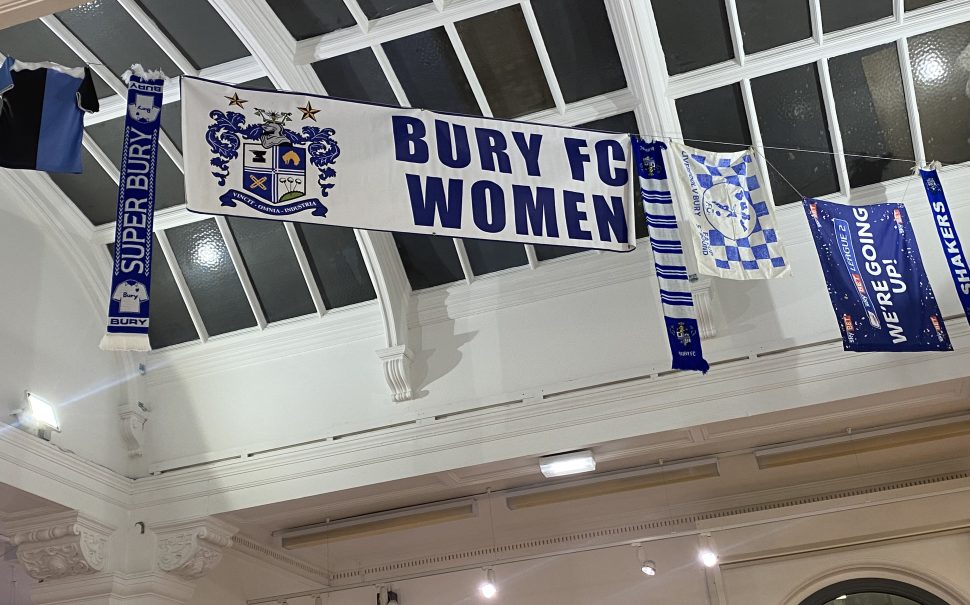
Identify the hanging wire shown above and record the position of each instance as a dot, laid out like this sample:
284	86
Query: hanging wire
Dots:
780	173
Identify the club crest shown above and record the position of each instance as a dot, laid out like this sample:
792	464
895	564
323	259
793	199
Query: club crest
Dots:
683	332
143	109
283	171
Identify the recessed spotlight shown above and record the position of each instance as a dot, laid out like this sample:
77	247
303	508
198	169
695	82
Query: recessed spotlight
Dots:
488	589
708	558
648	567
570	463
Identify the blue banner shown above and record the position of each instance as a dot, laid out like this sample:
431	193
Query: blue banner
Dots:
876	281
680	317
952	249
131	272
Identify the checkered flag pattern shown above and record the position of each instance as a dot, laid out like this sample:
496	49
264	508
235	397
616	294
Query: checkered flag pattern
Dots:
733	221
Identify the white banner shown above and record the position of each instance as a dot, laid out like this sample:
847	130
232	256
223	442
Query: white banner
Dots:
300	157
730	218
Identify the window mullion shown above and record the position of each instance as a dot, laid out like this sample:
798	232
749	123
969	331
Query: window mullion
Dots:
736	37
241	272
162	238
912	109
818	31
756	141
835	132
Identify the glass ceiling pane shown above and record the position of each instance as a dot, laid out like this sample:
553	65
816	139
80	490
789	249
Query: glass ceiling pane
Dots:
504	58
914	4
941	92
356	76
769	23
375	9
172	122
549	252
624	122
263	83
429	260
34	42
694	34
110	32
169	320
198	31
92	191
789	105
308	18
273	268
170	184
715	115
581	47
869	99
488	256
429	71
840	14
337	264
204	261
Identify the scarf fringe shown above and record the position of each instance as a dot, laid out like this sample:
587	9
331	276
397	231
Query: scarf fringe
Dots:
142	73
125	342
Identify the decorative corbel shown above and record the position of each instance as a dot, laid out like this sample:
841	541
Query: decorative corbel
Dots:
397	371
190	549
133	419
61	545
702	288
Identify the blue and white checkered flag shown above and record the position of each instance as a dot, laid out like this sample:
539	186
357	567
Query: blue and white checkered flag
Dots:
723	197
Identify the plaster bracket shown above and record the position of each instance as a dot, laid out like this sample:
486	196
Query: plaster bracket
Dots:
190	549
61	545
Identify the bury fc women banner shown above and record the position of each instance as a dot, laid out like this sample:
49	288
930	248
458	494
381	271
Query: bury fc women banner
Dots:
306	158
879	290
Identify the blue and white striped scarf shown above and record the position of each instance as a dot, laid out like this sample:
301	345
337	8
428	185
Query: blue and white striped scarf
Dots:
680	317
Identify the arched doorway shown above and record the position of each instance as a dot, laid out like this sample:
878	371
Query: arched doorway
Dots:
873	591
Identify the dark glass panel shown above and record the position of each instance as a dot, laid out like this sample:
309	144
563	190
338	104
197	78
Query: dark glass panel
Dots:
34	42
769	23
429	72
840	14
337	265
488	256
942	92
375	9
624	122
549	252
356	76
915	4
504	57
715	115
694	34
429	260
170	184
869	99
272	267
172	122
790	113
117	40
92	191
198	31
263	83
308	18
169	322
204	261
581	46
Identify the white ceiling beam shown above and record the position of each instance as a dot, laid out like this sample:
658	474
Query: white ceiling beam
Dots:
240	265
755	129
815	14
269	41
85	54
362	21
392	27
877	33
912	107
148	24
468	69
543	53
101	158
466	264
305	268
391	75
737	37
835	132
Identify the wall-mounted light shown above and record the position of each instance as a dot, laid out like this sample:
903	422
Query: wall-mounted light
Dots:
40	415
569	463
488	588
708	558
647	566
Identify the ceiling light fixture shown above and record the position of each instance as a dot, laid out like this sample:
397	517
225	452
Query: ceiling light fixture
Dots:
392	598
708	558
569	463
647	566
841	598
39	415
488	589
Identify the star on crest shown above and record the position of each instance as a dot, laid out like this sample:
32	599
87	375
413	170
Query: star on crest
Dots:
235	100
309	112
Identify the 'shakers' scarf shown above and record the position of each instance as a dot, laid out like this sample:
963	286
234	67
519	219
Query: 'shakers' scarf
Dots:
952	249
131	271
680	318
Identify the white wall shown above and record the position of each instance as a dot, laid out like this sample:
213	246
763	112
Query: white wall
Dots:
49	334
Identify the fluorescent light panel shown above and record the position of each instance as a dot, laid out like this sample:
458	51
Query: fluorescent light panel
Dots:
570	463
